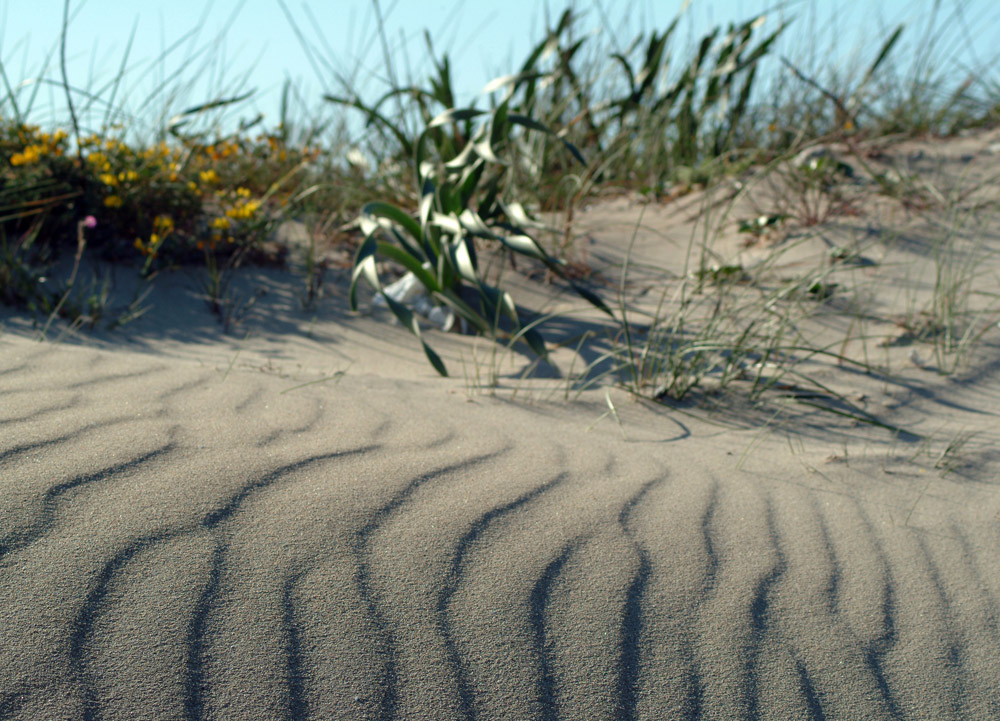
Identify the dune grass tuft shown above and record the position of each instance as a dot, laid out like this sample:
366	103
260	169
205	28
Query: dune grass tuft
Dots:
450	194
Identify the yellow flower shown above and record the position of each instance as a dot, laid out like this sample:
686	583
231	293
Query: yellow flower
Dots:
221	223
244	209
108	179
243	192
113	201
28	156
164	224
129	175
192	186
209	176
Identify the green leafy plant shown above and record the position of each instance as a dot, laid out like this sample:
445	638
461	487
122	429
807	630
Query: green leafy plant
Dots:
462	203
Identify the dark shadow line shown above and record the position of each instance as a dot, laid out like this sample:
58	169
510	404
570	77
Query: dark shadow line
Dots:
28	447
631	636
204	379
113	377
18	368
539	602
298	708
760	617
707	518
875	650
12	701
832	590
813	703
454	579
194	703
386	642
84	623
632	624
15	542
955	652
194	687
696	696
306	427
39	413
214	518
989	599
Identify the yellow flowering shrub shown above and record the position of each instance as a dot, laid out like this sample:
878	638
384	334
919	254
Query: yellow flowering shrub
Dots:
171	197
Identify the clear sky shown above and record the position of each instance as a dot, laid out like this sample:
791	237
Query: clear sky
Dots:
236	46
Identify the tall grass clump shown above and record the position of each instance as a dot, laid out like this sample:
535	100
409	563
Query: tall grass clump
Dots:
178	185
466	176
456	195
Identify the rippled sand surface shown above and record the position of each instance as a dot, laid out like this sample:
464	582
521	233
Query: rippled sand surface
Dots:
184	541
300	520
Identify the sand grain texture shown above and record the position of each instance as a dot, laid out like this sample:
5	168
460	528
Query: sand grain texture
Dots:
187	531
176	545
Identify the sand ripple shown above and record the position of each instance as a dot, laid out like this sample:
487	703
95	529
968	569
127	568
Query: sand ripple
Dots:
176	543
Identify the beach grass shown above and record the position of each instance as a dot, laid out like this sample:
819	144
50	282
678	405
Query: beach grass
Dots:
456	196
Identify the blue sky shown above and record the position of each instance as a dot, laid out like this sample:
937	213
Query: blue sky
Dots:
237	46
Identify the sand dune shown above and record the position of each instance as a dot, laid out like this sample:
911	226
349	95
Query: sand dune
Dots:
301	521
179	540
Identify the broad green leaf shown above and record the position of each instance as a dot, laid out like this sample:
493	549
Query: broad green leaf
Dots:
485	151
529	122
510	81
464	158
381	209
463	262
364	266
472	223
409	321
525	245
427	193
448	223
468	184
536	342
453	301
454	114
411	264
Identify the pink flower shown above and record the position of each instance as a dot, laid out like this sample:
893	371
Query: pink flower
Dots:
90	222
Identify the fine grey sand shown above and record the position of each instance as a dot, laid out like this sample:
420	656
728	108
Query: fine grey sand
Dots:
306	523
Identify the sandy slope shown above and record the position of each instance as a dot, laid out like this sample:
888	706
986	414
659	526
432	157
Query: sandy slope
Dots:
187	531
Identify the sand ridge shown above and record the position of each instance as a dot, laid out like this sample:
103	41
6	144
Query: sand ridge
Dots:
183	546
300	520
